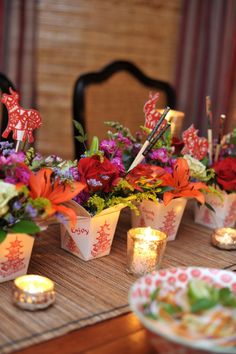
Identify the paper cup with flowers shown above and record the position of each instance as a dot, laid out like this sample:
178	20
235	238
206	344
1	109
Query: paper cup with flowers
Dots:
223	200
28	199
97	206
163	182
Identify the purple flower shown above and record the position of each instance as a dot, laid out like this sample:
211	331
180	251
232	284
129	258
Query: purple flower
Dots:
136	148
17	205
22	175
74	173
5	145
38	157
172	161
10	219
82	197
31	211
108	146
117	161
124	140
160	155
18	157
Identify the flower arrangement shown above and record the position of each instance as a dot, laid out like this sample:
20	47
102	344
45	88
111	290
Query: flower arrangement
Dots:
30	194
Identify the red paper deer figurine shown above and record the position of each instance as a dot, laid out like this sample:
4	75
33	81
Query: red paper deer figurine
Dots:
151	114
20	120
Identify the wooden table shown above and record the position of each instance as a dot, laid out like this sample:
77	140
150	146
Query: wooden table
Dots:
124	334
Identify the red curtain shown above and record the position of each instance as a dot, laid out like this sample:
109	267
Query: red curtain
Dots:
207	61
18	46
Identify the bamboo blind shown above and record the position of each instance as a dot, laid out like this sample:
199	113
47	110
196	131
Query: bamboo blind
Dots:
77	36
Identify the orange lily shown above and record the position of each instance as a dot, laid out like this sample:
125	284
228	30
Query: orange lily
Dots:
145	175
40	186
179	181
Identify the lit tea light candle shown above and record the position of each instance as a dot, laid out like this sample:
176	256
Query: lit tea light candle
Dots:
176	118
33	292
224	238
145	248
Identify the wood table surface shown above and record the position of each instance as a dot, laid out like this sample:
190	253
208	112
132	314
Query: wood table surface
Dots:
125	334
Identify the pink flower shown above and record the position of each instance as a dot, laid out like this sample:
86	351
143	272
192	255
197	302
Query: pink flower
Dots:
160	155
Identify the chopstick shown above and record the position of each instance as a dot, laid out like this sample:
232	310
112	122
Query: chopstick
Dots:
140	156
154	141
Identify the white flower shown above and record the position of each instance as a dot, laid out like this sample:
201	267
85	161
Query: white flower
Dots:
197	169
7	192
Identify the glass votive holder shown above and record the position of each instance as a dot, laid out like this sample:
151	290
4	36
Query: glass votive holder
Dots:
33	292
145	249
224	238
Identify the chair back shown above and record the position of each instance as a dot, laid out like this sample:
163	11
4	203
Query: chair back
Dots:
115	93
5	84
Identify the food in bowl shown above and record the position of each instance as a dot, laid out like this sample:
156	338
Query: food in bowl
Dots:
197	311
188	310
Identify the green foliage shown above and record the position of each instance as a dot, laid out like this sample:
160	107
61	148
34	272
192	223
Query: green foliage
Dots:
82	137
41	204
96	204
3	235
120	128
25	226
29	156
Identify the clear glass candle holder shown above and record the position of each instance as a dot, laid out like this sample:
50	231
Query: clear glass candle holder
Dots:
145	249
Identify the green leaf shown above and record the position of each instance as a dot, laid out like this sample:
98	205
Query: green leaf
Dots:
203	304
79	127
171	309
198	290
152	316
80	139
227	298
154	294
210	207
25	226
3	235
94	145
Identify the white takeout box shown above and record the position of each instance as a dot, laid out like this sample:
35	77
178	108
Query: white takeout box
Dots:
92	236
158	216
224	214
15	253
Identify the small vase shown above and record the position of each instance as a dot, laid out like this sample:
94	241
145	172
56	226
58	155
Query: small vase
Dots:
92	236
15	253
162	217
224	214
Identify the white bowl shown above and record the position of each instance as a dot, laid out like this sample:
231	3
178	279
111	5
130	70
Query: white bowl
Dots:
163	340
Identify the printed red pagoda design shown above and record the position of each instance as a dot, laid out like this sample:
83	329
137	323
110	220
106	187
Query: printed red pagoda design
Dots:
15	261
103	240
169	223
207	216
21	121
231	216
71	245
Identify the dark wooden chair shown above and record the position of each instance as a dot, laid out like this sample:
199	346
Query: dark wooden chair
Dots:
5	84
114	101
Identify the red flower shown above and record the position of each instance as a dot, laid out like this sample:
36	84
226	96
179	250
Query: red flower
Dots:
226	173
178	144
98	174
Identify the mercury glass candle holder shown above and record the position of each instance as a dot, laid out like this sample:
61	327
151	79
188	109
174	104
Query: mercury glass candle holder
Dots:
145	249
224	238
33	292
